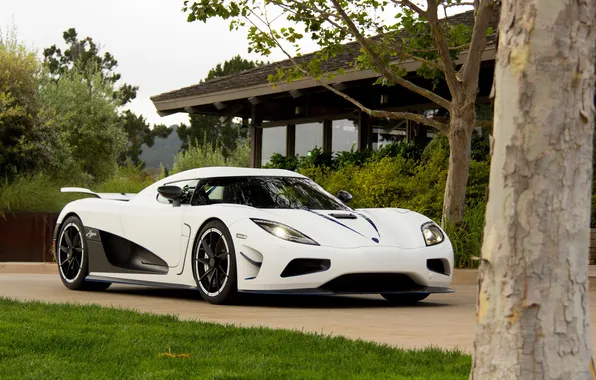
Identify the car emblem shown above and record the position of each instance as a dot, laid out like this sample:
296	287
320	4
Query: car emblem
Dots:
91	234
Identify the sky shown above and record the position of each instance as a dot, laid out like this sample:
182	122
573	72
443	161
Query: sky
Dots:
156	48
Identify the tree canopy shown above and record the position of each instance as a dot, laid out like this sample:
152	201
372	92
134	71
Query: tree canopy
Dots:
210	129
83	54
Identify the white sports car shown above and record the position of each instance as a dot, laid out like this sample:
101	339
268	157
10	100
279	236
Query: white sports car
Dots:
225	231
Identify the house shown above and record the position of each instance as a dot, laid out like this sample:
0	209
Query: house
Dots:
292	118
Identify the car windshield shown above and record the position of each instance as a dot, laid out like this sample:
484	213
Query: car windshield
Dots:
266	192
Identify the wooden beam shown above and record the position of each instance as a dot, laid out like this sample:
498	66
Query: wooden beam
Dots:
167	113
304	120
341	86
254	100
190	110
219	105
295	93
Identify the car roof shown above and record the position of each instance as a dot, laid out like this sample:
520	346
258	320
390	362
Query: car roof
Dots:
228	171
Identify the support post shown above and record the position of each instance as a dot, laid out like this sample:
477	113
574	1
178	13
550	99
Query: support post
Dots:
291	140
327	135
256	138
364	131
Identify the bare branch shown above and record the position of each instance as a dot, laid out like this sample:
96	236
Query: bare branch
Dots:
463	3
450	76
471	67
405	54
439	100
411	5
460	47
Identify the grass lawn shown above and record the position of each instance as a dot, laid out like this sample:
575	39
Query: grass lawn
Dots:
41	341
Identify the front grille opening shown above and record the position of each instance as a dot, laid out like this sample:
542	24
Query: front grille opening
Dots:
371	283
299	267
438	266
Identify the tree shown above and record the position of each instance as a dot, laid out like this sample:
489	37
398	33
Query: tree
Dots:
84	110
387	33
210	129
82	54
138	132
532	311
28	140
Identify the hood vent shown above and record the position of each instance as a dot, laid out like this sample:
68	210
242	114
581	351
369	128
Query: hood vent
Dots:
343	216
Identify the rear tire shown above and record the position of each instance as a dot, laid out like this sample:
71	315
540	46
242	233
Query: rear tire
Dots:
72	257
214	264
404	299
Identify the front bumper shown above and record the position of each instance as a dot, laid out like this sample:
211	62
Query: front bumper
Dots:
368	269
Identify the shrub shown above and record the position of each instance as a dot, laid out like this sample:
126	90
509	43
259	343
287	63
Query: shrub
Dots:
38	193
205	155
126	179
467	238
41	192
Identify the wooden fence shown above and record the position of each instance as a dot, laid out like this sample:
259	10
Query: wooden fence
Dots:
27	237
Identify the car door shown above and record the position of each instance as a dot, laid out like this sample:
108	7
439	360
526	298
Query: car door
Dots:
158	226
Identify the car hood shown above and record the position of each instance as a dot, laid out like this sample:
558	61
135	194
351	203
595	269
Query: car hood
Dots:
356	228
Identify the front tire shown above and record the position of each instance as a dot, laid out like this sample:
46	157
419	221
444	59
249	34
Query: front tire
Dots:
214	264
72	257
404	299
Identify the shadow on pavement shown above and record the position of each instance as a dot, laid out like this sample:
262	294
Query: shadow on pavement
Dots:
277	301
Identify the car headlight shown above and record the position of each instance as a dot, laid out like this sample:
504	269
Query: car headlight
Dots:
284	232
432	233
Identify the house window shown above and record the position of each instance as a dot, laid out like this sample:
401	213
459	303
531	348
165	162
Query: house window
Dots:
308	136
385	132
274	141
344	135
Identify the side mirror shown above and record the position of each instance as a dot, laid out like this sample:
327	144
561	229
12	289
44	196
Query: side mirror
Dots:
172	193
344	196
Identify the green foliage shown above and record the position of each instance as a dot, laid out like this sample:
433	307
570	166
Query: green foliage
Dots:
39	193
205	155
28	140
107	343
234	65
83	109
126	179
467	238
210	128
138	133
83	56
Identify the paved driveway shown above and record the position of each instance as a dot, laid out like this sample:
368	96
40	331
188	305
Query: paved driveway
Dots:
446	320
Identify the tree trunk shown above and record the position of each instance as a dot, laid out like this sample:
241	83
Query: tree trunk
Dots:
461	127
532	312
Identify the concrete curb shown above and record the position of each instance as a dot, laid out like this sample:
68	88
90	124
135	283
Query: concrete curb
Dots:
29	268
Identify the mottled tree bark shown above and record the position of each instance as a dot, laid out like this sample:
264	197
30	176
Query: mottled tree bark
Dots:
532	313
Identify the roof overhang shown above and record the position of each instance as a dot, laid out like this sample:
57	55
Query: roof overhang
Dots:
174	105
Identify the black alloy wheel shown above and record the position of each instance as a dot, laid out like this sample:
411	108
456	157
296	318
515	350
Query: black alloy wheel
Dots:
72	257
214	264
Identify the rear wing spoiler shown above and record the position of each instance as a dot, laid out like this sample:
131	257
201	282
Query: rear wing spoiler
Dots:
112	196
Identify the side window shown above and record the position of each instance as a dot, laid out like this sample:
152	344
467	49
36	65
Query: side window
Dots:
208	194
188	189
